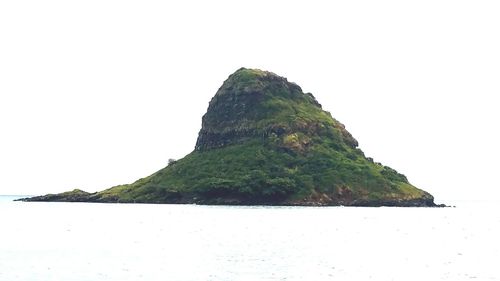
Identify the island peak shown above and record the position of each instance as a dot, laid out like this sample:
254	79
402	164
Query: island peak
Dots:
264	141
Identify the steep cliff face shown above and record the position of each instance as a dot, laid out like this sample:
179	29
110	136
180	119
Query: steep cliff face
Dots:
264	141
259	104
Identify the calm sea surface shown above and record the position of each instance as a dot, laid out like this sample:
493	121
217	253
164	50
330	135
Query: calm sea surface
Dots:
92	242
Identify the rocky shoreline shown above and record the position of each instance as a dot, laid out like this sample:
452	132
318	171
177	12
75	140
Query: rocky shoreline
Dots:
82	196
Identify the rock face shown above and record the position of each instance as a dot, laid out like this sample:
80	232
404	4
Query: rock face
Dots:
264	141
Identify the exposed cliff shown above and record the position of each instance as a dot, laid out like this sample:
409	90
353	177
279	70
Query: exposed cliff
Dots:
264	141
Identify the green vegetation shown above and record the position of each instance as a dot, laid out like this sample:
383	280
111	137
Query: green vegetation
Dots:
264	141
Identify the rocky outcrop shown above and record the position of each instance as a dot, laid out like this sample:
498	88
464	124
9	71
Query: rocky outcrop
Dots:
75	195
236	113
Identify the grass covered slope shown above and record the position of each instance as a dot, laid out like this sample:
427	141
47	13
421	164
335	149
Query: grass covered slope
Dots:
264	141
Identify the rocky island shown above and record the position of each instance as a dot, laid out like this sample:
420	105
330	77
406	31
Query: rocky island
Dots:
264	141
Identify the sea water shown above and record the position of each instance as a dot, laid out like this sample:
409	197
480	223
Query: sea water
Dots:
89	241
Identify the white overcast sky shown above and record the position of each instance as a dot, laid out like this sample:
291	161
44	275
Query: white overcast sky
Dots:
99	93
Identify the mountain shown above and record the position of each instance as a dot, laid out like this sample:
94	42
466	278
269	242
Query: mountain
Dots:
264	141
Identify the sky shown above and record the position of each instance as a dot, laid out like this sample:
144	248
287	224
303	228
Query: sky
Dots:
99	93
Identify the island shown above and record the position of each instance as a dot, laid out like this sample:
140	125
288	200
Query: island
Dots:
264	141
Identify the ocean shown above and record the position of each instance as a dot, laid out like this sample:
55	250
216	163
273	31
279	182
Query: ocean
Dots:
90	241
